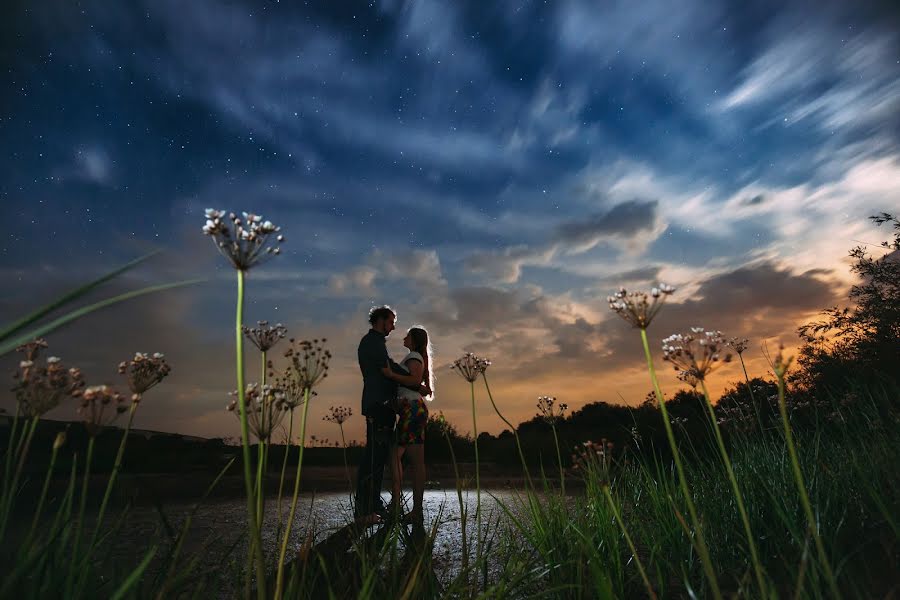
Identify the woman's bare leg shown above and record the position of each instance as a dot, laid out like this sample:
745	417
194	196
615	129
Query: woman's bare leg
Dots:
417	458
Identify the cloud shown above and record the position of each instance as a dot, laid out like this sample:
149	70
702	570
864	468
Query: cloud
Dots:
623	220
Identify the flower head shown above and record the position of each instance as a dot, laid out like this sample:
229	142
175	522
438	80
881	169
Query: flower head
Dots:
739	345
689	378
697	353
338	414
100	405
264	336
266	408
41	387
639	308
309	363
549	410
593	457
470	366
143	372
245	242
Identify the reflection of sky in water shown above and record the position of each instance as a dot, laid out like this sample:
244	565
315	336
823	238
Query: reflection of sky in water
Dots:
220	524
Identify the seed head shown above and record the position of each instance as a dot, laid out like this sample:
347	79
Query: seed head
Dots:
265	406
689	378
308	366
143	372
244	242
264	336
739	345
99	406
697	353
470	366
338	414
549	410
639	308
41	387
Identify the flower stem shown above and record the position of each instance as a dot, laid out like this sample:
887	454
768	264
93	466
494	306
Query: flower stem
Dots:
750	389
112	476
477	480
637	560
801	489
511	428
40	505
9	492
79	524
462	506
287	450
256	541
702	549
279	581
562	474
754	555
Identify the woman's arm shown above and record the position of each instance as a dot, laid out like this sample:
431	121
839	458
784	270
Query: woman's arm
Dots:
416	369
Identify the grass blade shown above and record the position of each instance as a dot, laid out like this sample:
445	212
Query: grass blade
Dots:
71	295
9	346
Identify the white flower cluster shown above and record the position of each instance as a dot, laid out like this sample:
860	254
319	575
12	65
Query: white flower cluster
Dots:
696	353
639	308
245	242
264	336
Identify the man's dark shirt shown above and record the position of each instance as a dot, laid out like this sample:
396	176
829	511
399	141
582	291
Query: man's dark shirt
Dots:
377	389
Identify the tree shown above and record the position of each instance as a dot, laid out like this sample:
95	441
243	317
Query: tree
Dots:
862	338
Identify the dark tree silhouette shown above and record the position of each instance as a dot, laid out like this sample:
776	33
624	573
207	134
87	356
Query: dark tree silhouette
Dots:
861	339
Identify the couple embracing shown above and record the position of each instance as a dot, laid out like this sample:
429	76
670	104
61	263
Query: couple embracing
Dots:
393	403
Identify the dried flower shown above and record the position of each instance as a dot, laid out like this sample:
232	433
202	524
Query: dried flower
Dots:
264	336
338	414
143	372
697	353
309	363
266	408
549	410
739	345
689	378
40	388
244	241
100	406
470	366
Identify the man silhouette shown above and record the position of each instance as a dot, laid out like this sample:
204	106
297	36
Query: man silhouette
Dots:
378	390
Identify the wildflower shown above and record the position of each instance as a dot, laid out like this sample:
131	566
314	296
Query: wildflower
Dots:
338	414
143	372
264	336
739	345
309	363
266	408
549	410
689	378
100	406
697	353
593	457
470	366
40	388
244	242
639	308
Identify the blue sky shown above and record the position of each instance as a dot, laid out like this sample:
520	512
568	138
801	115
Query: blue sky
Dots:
491	170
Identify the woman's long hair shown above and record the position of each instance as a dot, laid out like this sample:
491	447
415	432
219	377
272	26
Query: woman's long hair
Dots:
422	345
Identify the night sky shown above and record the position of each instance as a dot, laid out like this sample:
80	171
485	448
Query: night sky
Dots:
492	170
